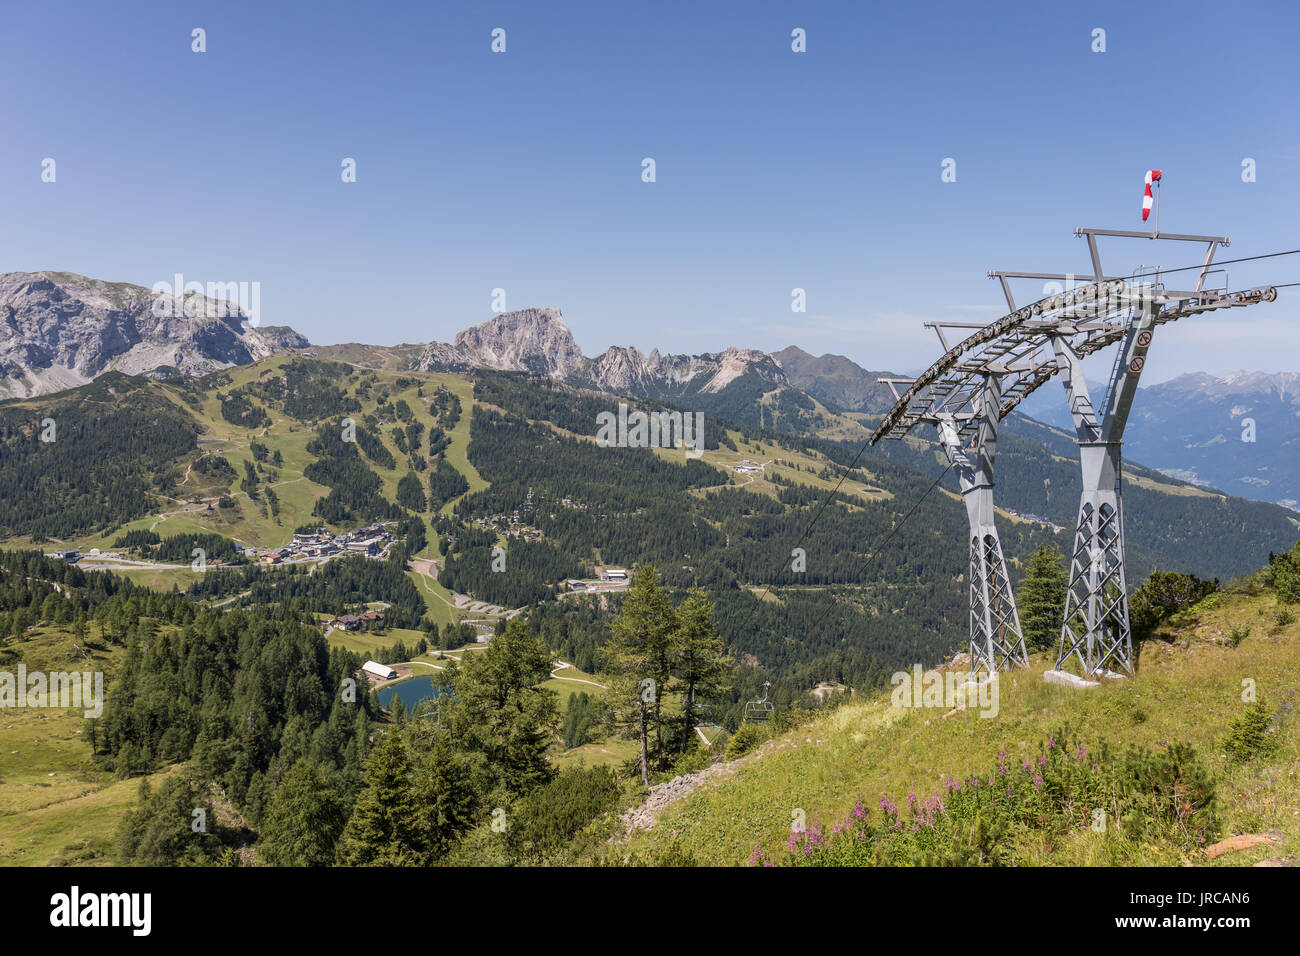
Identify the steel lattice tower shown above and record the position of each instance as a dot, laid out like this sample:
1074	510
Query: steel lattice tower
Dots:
983	377
995	637
1096	625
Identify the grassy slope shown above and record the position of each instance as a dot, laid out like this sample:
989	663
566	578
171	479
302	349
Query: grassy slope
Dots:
365	643
56	806
609	750
1186	690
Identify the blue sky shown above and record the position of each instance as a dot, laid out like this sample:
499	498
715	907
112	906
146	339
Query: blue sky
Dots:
775	170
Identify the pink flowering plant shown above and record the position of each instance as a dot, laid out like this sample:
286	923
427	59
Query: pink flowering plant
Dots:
976	820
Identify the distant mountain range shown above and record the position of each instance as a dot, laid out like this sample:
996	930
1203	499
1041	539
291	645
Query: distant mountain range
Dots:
1239	433
61	330
539	341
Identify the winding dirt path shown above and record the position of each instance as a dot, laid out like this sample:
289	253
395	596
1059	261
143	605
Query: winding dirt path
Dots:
561	665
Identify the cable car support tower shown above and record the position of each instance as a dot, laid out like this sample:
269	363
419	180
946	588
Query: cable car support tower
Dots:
978	381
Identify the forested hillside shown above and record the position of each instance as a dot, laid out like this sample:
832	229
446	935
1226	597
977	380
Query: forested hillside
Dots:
89	459
632	506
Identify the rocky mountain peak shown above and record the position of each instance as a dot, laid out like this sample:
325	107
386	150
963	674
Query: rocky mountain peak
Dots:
532	340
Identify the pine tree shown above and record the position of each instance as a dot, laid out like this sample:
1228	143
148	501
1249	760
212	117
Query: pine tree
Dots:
381	830
578	719
396	706
702	665
410	492
162	830
1284	570
499	710
303	820
1041	600
638	659
446	800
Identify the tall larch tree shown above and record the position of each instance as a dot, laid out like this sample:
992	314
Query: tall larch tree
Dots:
701	662
638	657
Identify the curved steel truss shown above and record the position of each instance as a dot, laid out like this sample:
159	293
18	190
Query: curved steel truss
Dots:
978	381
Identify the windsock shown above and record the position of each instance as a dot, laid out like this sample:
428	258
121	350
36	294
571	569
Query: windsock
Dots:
1153	176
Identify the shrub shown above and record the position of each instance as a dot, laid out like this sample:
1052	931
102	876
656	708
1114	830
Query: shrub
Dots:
675	855
1249	735
1167	788
1251	584
1284	575
551	816
1162	595
694	760
745	739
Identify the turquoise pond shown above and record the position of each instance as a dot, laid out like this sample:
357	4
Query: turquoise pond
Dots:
411	691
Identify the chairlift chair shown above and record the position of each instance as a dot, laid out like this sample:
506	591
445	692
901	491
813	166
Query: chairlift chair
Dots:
762	708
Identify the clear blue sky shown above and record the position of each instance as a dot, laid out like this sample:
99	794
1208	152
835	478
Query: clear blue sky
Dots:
775	170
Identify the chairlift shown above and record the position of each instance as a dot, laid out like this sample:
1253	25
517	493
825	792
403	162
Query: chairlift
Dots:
762	708
699	706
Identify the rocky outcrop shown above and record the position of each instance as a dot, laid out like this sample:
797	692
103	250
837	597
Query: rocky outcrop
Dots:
529	340
1242	841
281	337
441	357
623	370
59	330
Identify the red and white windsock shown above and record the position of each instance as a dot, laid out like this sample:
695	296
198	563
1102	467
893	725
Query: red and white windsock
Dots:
1153	176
